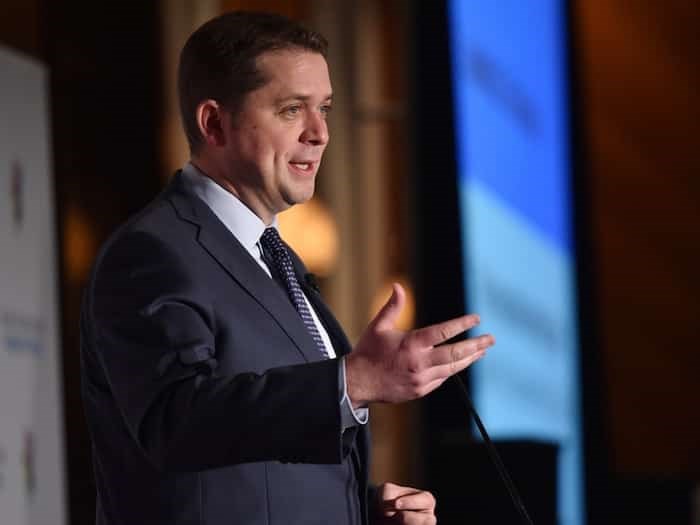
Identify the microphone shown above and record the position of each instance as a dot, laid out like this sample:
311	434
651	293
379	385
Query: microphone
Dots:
310	280
494	455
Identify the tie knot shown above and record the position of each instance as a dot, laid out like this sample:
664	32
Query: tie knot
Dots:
271	240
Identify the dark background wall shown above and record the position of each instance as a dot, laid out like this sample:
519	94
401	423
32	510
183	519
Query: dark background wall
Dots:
104	63
640	65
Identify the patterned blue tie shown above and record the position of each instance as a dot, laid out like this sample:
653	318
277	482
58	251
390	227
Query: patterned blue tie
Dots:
275	248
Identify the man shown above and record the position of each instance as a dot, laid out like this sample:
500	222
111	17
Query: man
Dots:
218	386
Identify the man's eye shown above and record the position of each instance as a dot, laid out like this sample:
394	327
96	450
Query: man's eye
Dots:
291	111
325	110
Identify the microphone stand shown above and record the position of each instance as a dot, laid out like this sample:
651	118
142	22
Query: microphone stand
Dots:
493	453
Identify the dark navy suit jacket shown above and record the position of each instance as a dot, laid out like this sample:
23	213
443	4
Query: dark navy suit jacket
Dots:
207	400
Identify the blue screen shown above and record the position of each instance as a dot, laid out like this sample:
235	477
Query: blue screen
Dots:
513	155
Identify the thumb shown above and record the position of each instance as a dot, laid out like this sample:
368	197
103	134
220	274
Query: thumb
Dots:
387	316
390	491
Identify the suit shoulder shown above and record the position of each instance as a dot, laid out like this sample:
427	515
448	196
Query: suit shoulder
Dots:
154	233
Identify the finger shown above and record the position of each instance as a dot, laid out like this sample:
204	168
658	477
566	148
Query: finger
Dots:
418	501
450	353
442	372
386	318
434	384
414	518
391	505
391	491
438	333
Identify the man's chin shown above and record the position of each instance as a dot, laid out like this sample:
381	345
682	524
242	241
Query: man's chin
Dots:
299	196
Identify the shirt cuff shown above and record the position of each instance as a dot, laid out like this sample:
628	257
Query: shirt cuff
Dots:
349	416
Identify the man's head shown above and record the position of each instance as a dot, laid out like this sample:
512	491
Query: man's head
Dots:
219	60
254	93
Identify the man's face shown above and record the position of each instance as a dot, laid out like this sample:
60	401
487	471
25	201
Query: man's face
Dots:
274	144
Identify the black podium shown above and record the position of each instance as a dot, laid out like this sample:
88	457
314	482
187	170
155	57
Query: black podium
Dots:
470	492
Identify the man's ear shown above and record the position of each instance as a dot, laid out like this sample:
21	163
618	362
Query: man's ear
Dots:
210	120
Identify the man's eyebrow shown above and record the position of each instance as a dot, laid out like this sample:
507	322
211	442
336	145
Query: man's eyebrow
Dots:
300	97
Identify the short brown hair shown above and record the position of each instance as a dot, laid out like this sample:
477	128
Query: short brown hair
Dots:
218	60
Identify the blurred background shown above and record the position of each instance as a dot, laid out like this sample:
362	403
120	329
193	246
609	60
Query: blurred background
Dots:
613	88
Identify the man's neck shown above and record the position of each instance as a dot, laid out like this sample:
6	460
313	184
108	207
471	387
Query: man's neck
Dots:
210	171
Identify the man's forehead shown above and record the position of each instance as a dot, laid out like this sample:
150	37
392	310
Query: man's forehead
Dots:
303	97
292	54
298	72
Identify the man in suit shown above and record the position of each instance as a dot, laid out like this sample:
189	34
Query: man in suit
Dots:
218	387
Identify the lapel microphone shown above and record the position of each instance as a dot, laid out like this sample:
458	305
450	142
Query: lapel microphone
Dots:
493	454
310	280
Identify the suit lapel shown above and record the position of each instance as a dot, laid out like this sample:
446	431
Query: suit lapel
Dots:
221	244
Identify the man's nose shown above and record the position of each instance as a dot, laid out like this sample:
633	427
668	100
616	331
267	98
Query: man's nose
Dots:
315	129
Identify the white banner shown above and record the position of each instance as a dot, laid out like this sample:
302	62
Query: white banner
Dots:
32	484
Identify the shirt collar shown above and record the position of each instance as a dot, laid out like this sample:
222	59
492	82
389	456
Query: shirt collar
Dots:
236	216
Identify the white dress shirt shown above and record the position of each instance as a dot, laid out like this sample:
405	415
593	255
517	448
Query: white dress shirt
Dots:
248	228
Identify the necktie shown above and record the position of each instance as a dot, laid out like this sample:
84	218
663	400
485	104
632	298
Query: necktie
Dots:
276	250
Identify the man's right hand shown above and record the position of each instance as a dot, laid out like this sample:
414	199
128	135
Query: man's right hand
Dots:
390	365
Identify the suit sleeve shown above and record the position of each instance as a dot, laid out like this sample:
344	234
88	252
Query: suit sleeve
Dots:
152	335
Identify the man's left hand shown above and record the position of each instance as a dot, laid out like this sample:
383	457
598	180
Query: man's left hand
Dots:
405	505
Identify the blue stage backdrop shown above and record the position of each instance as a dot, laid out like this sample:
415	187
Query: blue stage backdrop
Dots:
509	67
